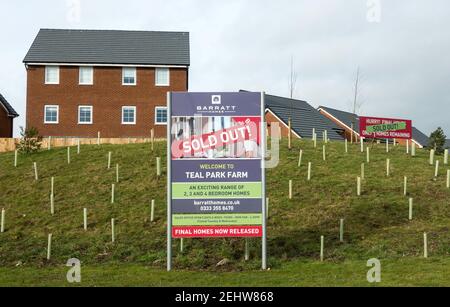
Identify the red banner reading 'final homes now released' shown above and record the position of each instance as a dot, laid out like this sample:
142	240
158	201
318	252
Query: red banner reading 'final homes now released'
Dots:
385	128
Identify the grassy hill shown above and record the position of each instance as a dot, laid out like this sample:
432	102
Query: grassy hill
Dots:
376	223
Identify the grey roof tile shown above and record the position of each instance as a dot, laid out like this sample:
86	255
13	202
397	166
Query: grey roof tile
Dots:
9	109
110	47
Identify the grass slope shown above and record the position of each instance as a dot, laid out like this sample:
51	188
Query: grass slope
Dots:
376	224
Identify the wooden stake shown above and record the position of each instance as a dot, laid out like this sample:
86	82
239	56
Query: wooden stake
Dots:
425	245
2	226
36	177
309	171
410	209
158	167
388	167
358	186
68	155
300	158
432	157
322	244
15	158
109	159
436	171
405	186
113	188
290	189
113	234
117	173
341	232
152	211
85	219
49	246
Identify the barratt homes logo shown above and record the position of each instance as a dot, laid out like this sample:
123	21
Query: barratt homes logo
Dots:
217	107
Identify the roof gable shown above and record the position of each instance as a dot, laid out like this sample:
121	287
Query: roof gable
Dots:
110	47
347	118
9	109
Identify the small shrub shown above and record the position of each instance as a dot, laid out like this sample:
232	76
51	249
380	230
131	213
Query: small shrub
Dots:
30	141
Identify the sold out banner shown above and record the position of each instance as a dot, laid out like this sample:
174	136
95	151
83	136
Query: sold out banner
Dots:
385	128
216	173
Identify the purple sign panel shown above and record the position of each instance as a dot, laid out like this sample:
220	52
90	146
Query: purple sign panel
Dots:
216	168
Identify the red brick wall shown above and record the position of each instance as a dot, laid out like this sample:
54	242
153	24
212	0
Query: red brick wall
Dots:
5	124
107	96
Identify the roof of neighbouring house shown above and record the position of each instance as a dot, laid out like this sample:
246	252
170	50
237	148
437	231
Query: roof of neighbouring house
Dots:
110	47
420	137
447	144
347	118
304	117
9	109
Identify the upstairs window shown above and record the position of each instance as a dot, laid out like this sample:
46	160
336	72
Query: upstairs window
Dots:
52	75
162	77
160	115
51	114
85	115
129	76
86	75
128	115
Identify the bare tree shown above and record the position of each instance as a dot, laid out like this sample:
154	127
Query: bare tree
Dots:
357	101
292	87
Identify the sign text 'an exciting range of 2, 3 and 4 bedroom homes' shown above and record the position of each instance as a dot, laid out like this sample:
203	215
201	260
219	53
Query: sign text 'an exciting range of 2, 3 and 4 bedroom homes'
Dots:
81	82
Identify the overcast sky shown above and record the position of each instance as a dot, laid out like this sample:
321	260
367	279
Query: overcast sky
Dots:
402	47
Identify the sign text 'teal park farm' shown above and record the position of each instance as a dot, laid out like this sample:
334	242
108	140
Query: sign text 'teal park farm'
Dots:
216	172
385	128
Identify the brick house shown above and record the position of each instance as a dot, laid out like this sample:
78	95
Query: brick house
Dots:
7	115
81	82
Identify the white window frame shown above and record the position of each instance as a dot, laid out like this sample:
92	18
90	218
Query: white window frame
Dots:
79	115
156	116
92	75
57	74
45	114
156	76
123	76
135	115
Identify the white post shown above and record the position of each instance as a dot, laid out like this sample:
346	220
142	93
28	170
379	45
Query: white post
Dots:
300	158
152	138
407	147
341	232
326	136
324	153
395	142
49	246
35	171
15	158
315	141
388	167
68	155
113	234
113	188
78	146
362	144
2	227
109	159
181	245
158	167
436	171
98	138
52	204
387	145
322	243
413	149
290	189
368	154
410	209
85	219
267	207
49	143
432	157
313	133
358	186
448	179
363	171
446	157
405	186
152	211
425	245
346	146
117	173
309	171
52	185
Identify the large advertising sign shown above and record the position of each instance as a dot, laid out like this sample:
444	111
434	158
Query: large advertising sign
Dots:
216	173
385	128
